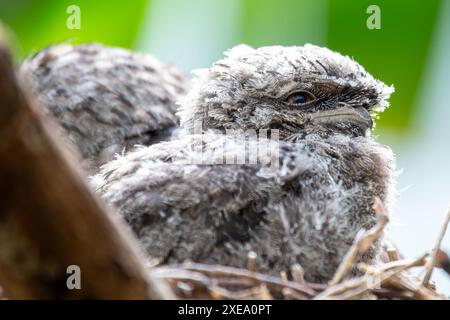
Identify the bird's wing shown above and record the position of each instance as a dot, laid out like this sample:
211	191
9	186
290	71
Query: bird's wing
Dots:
185	210
106	99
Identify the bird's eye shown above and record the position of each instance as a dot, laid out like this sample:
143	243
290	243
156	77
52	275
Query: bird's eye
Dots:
300	98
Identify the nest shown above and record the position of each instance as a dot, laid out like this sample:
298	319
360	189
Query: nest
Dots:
390	280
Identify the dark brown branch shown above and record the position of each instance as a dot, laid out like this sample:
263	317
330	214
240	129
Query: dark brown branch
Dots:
49	219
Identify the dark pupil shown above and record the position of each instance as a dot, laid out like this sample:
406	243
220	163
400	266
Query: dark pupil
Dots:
299	98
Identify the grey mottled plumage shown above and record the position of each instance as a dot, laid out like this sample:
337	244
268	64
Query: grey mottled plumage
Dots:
105	98
307	211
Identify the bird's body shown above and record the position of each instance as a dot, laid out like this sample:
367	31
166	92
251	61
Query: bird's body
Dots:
106	99
306	209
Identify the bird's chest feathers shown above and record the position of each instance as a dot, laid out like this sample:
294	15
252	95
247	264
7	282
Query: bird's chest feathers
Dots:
344	176
348	161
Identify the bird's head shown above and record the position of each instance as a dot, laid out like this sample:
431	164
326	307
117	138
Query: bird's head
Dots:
297	90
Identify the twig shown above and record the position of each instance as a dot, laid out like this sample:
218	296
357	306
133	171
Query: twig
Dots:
430	265
392	251
251	261
405	263
298	273
374	278
231	277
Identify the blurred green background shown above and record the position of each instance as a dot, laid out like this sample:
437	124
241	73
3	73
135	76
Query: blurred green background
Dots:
397	53
411	51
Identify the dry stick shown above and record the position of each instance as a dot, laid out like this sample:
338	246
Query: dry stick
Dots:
392	252
239	277
420	262
363	241
358	287
50	220
350	285
430	265
252	263
298	274
401	280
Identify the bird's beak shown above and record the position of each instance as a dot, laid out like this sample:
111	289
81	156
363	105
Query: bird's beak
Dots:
345	114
